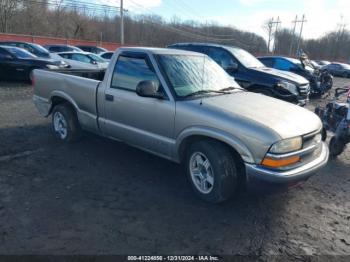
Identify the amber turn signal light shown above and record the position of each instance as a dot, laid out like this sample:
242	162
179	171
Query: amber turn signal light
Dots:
269	162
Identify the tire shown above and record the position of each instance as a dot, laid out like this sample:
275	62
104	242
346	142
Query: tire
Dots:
323	134
65	124
327	81
213	163
336	147
318	111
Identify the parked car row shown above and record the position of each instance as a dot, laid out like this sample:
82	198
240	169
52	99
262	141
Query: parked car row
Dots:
251	74
285	78
320	80
81	60
18	64
19	59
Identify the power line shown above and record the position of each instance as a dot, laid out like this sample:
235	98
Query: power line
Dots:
189	34
75	5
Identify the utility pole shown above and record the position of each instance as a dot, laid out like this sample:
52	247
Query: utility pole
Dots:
121	22
293	35
278	21
303	20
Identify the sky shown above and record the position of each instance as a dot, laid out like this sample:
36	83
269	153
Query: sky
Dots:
321	15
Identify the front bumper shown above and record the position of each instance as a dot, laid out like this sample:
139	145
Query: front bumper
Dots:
301	173
302	102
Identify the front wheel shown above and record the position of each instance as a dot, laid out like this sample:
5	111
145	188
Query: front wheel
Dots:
212	171
65	123
336	147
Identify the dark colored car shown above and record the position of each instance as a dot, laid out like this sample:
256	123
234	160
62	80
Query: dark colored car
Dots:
35	49
92	49
107	55
322	62
17	63
319	81
62	48
251	74
338	69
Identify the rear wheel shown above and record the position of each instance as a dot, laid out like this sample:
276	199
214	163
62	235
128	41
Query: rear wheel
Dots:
212	171
65	123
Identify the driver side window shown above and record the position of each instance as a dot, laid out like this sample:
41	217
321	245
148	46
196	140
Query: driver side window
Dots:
81	58
130	71
284	65
4	55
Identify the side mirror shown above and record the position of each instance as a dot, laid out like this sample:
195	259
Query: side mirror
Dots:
8	57
231	68
93	62
148	88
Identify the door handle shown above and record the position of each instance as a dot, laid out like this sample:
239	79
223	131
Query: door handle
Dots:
109	97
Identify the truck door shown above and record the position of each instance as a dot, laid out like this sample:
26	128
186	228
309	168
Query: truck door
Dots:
141	121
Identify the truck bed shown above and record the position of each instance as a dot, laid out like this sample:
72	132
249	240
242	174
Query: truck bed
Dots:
96	74
79	91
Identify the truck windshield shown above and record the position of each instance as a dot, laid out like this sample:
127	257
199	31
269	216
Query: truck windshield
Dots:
245	58
195	75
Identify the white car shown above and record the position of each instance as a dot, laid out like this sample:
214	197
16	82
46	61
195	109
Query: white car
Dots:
81	60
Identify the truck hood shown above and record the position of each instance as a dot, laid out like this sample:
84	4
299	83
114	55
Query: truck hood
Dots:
278	74
285	119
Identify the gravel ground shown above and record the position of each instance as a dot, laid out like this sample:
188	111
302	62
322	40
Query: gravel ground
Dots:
103	197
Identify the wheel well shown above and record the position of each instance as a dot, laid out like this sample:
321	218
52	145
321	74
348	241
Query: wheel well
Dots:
59	100
195	138
263	89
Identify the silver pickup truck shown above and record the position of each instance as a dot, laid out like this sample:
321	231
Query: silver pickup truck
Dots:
182	106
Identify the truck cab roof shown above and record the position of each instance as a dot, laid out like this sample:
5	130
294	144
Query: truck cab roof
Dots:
159	51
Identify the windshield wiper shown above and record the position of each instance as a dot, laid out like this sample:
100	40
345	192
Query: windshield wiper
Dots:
231	88
200	92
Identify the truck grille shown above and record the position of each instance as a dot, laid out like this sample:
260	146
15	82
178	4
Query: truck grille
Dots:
304	89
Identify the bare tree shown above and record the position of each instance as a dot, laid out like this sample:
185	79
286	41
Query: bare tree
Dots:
268	27
7	10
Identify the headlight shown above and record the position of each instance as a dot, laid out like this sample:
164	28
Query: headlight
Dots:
63	64
287	145
52	67
288	86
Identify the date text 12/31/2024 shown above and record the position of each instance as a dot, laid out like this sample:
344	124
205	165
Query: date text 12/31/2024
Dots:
174	258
